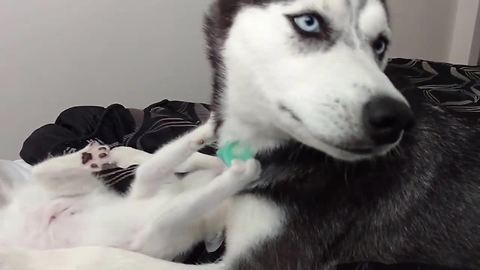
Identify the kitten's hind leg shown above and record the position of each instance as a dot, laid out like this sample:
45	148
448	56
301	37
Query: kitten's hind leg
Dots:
71	174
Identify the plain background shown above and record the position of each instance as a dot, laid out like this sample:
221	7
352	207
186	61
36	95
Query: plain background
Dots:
55	54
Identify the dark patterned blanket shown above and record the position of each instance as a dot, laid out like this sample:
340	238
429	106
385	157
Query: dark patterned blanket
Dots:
453	87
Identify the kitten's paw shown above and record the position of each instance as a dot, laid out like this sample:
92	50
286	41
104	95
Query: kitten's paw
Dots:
204	134
96	157
245	172
210	127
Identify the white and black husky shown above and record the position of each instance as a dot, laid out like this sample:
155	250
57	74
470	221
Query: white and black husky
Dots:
346	176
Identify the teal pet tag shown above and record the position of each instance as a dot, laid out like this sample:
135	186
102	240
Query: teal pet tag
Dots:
234	151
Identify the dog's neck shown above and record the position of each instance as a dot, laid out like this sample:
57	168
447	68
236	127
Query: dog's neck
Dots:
252	128
244	113
258	139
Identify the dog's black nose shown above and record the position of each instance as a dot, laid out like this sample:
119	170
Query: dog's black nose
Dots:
386	118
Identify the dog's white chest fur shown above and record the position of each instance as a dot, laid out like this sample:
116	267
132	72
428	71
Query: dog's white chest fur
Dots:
251	221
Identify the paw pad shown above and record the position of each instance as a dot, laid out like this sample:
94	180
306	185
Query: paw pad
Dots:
86	157
96	157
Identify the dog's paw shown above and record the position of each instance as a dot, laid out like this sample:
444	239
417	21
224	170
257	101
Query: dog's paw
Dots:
96	157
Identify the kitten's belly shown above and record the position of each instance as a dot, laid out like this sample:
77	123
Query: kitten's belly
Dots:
58	223
65	226
91	221
55	225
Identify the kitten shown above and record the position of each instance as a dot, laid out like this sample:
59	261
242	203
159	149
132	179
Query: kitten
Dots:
66	206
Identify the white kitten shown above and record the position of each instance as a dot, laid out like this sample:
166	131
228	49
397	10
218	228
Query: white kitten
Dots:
66	206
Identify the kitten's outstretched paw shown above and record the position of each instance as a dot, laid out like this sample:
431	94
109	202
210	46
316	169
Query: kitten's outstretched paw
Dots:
203	135
96	157
247	171
243	173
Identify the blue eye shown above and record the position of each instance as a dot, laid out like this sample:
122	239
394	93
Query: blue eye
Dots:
380	45
307	23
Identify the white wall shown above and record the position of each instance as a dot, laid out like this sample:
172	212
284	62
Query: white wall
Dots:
476	40
465	45
423	28
439	30
59	53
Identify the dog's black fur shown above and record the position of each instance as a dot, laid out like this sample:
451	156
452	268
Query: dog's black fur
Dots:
419	204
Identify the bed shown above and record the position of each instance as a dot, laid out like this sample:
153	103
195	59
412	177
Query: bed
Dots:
454	88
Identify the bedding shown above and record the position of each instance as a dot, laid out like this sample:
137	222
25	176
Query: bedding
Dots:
13	173
452	87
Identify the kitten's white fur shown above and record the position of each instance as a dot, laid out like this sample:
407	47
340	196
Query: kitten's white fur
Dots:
65	206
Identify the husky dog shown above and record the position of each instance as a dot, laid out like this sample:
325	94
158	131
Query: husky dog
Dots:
346	174
65	206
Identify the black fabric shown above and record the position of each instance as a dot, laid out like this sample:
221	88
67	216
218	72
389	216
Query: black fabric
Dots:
75	128
455	88
165	121
452	87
